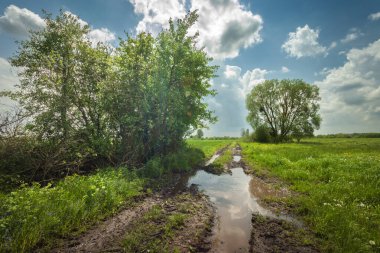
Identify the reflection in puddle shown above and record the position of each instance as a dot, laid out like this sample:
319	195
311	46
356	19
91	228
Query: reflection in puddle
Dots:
235	204
237	158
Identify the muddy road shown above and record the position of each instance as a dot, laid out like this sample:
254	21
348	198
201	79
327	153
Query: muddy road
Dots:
203	212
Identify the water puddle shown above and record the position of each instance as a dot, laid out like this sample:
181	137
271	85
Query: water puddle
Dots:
236	197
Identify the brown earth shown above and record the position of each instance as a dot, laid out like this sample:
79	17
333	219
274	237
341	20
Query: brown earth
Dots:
273	235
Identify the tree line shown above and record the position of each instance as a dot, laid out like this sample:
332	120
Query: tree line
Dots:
83	104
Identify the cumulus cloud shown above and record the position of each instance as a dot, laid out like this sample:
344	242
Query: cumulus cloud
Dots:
229	104
224	27
8	80
374	16
353	34
18	22
353	90
304	42
102	35
156	13
284	69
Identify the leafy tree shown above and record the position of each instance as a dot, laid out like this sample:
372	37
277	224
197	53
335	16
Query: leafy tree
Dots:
60	90
285	107
199	134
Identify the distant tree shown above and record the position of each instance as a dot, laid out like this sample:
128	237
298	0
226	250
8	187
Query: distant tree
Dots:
286	107
199	133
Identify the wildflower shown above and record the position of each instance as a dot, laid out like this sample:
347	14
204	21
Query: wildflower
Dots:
361	204
371	242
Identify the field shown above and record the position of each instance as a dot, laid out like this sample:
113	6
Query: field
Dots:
338	181
208	147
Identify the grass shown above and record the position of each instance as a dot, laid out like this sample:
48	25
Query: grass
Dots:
154	231
208	147
339	182
36	215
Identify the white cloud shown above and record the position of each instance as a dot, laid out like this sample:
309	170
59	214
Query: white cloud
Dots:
224	26
156	13
304	42
374	16
351	93
250	79
229	104
232	72
102	35
8	80
352	35
18	22
284	69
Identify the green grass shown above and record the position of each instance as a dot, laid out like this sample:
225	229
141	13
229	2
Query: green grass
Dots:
154	231
37	215
208	147
340	184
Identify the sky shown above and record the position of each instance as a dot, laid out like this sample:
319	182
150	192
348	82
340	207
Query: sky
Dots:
333	44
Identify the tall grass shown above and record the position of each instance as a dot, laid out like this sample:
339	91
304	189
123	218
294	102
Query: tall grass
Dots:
34	215
339	180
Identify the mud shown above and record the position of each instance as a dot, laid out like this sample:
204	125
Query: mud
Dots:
274	235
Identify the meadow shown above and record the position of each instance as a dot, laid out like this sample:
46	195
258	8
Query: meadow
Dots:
338	180
208	147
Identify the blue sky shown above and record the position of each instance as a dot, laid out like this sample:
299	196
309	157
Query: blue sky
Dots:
333	44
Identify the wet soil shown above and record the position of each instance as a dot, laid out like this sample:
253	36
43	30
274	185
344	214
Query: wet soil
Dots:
274	235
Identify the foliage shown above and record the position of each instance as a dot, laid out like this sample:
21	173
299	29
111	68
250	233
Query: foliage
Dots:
88	107
338	180
262	134
353	135
183	160
199	133
33	215
287	107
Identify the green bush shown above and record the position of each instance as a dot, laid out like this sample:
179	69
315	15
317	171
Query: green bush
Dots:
261	134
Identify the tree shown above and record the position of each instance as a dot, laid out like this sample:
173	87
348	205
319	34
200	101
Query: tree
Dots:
285	107
62	78
199	134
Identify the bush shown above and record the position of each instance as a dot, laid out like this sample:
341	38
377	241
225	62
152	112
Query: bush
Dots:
261	134
183	160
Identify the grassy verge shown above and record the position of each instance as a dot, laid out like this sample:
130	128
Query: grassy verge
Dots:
339	180
32	216
208	147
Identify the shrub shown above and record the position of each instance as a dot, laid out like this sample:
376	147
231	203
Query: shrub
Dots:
261	134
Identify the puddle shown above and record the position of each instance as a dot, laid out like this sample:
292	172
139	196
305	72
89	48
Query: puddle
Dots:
237	158
235	199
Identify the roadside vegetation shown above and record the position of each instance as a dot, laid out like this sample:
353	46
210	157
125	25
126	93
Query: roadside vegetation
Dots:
36	215
95	125
338	181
